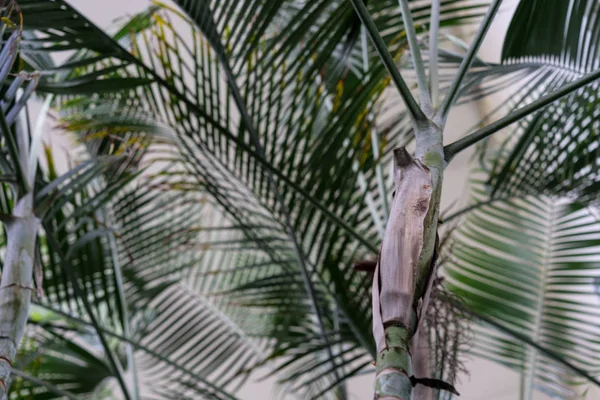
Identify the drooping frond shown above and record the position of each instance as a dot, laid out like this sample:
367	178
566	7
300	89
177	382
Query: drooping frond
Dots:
553	151
530	265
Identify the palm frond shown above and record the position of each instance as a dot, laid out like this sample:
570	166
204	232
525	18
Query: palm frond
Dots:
315	133
62	356
552	151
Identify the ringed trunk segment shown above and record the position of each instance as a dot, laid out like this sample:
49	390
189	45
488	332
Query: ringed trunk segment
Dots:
16	285
393	366
396	305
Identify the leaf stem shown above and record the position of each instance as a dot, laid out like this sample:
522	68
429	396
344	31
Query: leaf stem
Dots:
415	51
454	148
433	53
466	62
415	111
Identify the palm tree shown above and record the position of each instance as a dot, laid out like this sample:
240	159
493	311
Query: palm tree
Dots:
232	169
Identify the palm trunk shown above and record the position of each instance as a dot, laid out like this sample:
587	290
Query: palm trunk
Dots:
395	366
405	266
16	283
392	379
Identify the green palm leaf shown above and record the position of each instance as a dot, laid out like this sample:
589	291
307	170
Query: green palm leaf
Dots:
530	264
63	357
75	252
315	136
548	44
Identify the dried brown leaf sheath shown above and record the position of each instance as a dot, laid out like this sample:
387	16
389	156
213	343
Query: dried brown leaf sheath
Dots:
394	281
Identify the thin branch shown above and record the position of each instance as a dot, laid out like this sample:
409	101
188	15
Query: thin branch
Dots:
415	111
466	62
454	148
433	53
415	51
523	338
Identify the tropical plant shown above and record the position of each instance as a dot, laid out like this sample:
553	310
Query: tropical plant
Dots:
230	185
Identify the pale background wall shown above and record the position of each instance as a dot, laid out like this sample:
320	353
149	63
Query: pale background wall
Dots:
487	380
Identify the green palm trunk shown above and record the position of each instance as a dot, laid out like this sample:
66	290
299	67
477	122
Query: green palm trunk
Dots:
394	369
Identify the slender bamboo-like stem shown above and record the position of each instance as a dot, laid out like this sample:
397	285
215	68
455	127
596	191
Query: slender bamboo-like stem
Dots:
16	282
466	62
454	148
421	365
374	134
433	53
415	111
415	52
405	263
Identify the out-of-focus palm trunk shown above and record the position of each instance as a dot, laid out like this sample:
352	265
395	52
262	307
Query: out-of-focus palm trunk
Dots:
16	283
